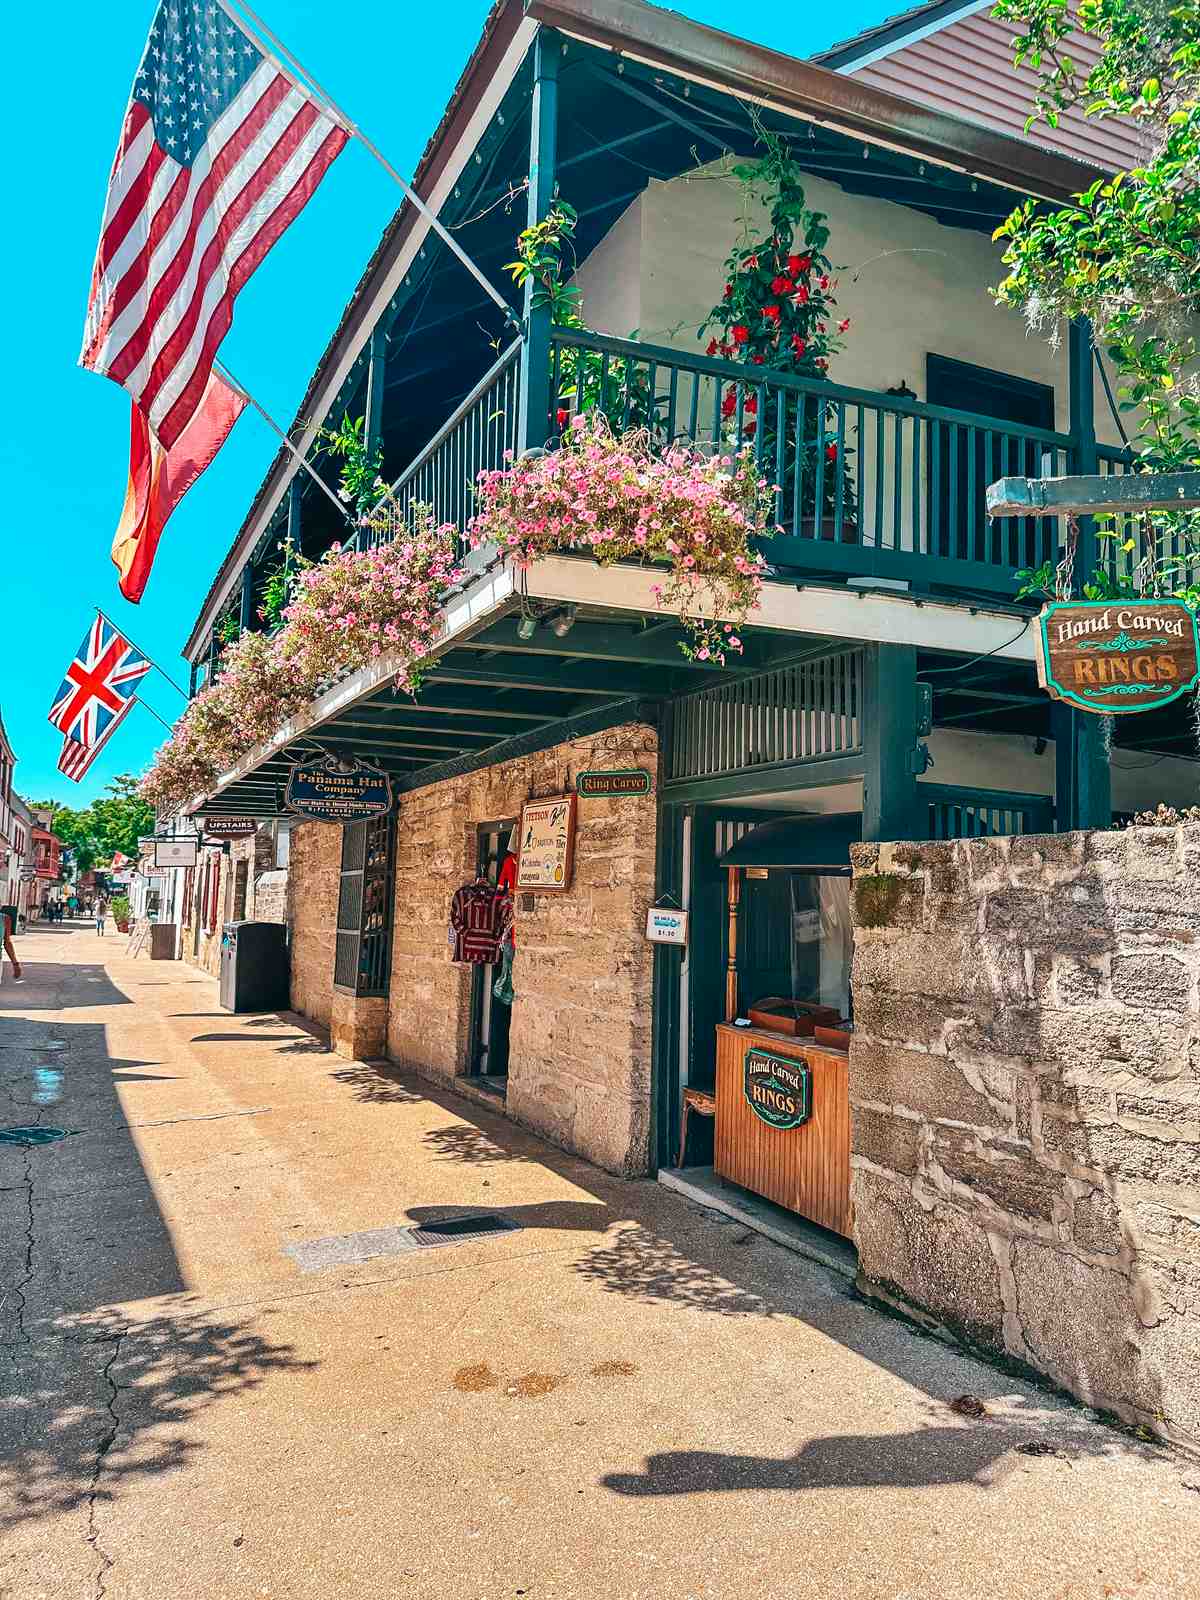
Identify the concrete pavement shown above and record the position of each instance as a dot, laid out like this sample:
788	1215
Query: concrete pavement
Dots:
229	1372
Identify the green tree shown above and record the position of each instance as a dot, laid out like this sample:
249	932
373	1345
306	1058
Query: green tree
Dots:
114	822
1126	252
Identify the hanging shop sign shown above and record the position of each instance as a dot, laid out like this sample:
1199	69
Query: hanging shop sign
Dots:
547	844
666	926
778	1089
330	790
174	853
222	830
628	780
1114	657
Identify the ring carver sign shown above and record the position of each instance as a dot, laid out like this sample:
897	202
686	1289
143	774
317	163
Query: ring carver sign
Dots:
1117	656
778	1089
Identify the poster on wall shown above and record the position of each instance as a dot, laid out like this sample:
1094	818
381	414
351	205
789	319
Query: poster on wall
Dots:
1114	657
546	850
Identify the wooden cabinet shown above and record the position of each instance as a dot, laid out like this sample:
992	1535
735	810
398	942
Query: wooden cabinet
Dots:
807	1168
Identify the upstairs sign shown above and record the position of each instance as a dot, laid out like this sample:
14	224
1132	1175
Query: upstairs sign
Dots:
1117	656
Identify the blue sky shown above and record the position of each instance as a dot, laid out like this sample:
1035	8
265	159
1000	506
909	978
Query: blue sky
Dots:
65	448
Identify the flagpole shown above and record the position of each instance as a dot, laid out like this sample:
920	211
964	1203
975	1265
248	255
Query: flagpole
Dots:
305	81
118	629
224	373
147	707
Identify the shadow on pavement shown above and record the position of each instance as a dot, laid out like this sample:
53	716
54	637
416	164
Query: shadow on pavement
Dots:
71	1439
980	1454
653	1248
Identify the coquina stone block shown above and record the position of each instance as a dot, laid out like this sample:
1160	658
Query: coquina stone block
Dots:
1025	1084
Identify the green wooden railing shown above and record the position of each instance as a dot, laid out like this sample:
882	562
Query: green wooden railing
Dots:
958	813
473	439
868	484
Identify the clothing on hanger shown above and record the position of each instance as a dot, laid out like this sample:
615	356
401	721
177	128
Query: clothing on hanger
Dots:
481	916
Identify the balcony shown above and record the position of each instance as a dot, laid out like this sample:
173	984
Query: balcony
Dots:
870	486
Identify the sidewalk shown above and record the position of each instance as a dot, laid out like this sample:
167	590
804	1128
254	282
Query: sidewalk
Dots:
235	1374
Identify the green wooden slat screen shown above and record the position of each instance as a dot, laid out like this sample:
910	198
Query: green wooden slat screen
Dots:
984	813
801	712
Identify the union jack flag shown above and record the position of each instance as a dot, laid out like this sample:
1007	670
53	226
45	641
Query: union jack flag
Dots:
76	758
219	152
99	685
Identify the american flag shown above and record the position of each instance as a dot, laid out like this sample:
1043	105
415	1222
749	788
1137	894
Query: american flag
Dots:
220	150
99	685
76	758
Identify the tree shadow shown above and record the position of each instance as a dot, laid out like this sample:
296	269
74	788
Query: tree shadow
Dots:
103	1403
644	1264
378	1083
472	1146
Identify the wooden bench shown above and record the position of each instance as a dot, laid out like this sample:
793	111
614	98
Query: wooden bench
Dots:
704	1103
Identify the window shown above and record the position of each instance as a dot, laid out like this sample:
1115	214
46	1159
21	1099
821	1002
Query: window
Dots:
362	949
240	878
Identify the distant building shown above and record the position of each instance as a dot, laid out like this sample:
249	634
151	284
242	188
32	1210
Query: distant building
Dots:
46	859
14	830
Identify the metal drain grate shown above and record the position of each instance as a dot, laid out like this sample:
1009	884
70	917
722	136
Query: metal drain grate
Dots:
457	1230
28	1137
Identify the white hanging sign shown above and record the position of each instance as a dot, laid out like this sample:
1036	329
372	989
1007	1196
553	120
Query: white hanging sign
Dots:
665	925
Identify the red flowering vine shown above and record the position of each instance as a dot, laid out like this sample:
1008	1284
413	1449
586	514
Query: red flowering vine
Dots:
776	312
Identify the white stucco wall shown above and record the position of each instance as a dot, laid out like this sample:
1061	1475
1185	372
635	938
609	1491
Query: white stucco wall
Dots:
910	285
1140	779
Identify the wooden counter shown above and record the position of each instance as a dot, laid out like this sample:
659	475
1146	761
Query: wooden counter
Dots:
806	1169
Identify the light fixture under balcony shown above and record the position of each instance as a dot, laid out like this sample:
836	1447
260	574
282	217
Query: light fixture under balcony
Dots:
563	622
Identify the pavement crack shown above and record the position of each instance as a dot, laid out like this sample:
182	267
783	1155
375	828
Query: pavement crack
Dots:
107	1440
16	1291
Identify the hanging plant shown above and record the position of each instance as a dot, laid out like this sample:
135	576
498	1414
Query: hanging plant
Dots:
617	497
583	379
344	612
778	313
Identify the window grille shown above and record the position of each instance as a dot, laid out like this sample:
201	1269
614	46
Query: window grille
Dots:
362	946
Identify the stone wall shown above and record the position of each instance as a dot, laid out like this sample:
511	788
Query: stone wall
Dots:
312	899
579	1069
1025	1085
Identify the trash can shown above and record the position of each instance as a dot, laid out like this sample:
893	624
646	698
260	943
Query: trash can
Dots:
254	966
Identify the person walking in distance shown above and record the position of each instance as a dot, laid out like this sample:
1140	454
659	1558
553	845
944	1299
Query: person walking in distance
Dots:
8	918
100	912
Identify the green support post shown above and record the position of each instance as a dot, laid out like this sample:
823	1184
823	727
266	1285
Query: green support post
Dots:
246	614
294	508
376	379
534	420
1082	777
890	743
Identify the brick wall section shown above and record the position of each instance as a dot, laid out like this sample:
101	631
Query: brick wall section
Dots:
579	1069
1025	1084
312	897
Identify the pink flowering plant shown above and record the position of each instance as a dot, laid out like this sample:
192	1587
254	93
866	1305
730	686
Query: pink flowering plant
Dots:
345	611
617	497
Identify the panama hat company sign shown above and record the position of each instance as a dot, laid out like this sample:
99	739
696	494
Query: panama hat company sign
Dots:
1118	656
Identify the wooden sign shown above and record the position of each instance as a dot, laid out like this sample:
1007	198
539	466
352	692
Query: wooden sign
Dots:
222	830
334	791
664	925
1117	656
629	780
546	850
778	1089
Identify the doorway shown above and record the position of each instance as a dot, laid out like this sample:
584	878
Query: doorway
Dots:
961	463
491	1019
